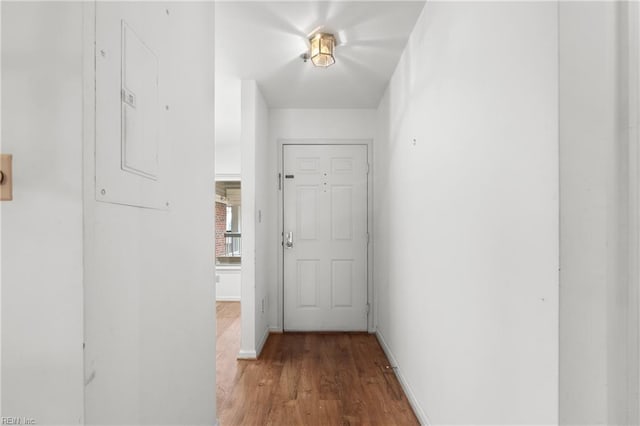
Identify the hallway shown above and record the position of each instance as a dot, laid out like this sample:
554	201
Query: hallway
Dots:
499	270
306	378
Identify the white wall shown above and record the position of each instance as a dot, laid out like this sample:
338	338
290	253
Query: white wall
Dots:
42	227
311	125
228	109
228	282
594	294
466	217
228	124
228	105
256	256
149	275
264	219
228	160
322	124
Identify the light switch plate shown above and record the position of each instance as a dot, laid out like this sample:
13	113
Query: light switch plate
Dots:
6	187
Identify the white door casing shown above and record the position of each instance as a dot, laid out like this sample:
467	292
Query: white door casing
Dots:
325	223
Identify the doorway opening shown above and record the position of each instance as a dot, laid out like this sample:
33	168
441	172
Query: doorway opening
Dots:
228	261
228	239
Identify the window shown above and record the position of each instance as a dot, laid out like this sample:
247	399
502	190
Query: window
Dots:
228	230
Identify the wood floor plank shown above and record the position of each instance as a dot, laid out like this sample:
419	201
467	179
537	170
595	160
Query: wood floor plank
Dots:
306	379
227	348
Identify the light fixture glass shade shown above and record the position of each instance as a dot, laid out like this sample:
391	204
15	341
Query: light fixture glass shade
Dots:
322	46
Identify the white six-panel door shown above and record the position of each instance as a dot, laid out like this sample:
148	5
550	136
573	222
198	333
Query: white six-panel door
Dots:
325	237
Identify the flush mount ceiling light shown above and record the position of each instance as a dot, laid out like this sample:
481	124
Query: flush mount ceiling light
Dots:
321	51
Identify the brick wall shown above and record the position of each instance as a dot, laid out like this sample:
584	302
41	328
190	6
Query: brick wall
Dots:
221	226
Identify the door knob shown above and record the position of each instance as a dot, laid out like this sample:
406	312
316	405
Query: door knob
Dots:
289	242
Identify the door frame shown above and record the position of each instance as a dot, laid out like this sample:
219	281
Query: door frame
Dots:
371	315
630	84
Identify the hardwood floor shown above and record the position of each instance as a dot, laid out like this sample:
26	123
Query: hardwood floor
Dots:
227	348
306	379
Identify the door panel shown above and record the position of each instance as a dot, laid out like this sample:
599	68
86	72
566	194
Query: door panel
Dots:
307	212
342	213
342	283
307	283
325	210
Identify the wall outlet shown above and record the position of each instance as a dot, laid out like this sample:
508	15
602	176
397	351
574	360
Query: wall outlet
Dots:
263	305
217	278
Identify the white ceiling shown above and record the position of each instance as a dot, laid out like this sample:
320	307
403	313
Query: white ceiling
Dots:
263	41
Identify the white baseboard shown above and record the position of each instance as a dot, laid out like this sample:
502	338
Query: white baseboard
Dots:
262	341
253	355
413	401
247	355
274	329
227	299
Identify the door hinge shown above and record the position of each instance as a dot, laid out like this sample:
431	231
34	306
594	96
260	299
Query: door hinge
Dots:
368	167
279	181
368	306
367	238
